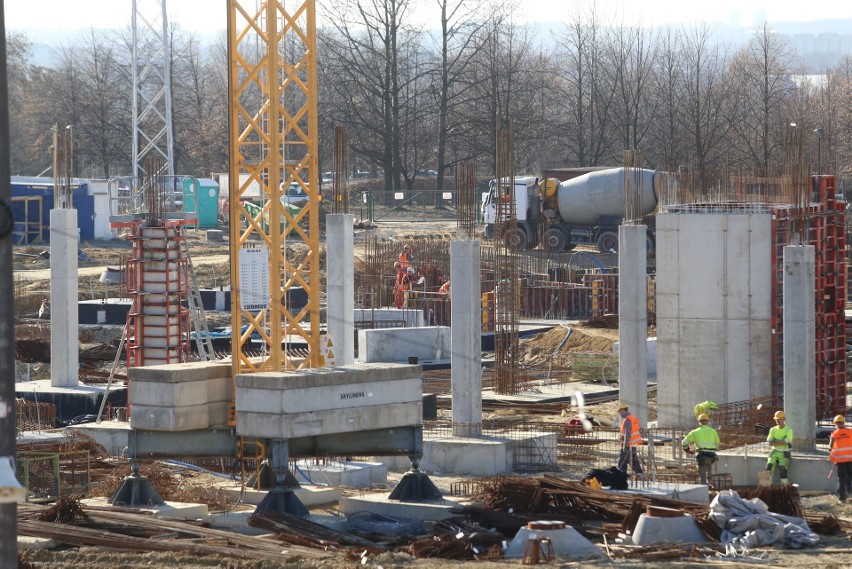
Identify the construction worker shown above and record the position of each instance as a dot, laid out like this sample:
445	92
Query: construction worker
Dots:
631	439
781	439
706	441
840	446
444	291
399	285
704	408
406	259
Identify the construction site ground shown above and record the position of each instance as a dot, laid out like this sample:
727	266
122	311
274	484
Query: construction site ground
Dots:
212	268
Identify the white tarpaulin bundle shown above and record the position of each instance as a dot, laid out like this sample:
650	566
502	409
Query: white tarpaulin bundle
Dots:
749	523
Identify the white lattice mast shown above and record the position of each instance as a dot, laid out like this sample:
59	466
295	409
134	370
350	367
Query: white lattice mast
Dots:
152	87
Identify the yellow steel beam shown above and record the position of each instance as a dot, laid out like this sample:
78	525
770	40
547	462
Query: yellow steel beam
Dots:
273	131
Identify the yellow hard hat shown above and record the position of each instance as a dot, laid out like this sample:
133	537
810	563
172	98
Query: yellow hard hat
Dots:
623	406
839	419
779	415
703	417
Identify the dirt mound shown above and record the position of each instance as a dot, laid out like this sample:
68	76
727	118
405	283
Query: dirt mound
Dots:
557	344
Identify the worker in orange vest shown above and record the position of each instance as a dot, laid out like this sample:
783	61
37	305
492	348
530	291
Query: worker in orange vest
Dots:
840	446
631	439
400	285
406	259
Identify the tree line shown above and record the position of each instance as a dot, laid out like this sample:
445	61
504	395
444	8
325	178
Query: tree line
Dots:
418	99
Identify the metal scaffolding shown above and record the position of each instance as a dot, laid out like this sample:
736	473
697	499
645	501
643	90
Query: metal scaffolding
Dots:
152	86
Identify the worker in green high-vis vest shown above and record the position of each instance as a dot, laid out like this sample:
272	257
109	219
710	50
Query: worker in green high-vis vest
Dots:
706	442
781	439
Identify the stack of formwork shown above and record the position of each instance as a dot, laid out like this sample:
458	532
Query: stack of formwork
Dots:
180	397
826	232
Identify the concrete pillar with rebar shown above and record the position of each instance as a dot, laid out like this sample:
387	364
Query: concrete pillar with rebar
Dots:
64	318
340	287
465	343
799	345
633	320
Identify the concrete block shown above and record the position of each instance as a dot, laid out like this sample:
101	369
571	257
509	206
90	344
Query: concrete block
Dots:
478	457
175	373
218	413
398	344
170	510
215	235
321	377
651	530
170	418
566	541
220	389
112	435
281	426
158	394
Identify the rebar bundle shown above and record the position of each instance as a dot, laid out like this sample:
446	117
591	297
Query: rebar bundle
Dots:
340	184
466	194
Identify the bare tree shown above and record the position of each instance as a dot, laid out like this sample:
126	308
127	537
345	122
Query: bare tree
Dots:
630	59
761	87
705	96
588	97
462	31
363	64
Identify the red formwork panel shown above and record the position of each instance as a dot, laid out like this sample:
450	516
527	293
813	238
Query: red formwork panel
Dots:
826	231
155	319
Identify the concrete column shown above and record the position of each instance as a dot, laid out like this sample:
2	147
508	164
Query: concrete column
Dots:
340	286
633	320
64	318
466	338
799	341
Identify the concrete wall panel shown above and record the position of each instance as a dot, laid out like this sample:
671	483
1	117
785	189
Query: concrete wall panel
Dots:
737	259
668	226
701	255
713	307
737	369
760	267
399	344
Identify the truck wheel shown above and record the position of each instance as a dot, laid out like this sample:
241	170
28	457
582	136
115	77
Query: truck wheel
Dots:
516	239
554	240
607	242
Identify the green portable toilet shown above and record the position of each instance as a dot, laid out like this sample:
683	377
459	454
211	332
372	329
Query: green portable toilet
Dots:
207	208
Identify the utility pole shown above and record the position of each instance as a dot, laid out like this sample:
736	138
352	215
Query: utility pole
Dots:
8	508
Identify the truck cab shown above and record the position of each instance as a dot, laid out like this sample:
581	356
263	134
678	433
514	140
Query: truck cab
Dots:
525	196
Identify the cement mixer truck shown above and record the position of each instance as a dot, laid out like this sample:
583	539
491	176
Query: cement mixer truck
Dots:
584	210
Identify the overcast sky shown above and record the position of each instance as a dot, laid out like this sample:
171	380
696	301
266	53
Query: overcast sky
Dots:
210	15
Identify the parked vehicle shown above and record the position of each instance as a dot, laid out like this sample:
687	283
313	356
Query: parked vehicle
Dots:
586	209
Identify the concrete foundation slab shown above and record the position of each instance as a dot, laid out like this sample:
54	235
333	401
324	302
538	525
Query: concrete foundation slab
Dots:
71	401
112	435
342	473
310	496
567	542
379	504
485	456
170	510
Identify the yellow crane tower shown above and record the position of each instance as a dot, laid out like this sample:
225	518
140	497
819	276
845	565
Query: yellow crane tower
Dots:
273	124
